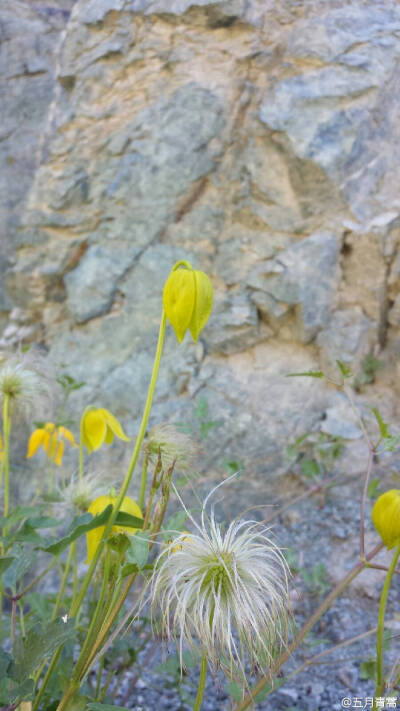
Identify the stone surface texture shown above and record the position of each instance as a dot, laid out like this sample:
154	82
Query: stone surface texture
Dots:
259	139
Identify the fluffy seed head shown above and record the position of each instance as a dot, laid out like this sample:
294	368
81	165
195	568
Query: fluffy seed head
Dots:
227	590
25	379
172	445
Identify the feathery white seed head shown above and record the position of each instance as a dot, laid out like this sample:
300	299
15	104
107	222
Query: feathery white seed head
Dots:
173	446
25	379
225	591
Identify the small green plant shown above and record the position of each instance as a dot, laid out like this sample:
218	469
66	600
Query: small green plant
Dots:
370	367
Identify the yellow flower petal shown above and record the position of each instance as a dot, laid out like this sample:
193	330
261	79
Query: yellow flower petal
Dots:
203	303
94	429
67	434
97	506
59	453
179	300
113	425
35	440
386	517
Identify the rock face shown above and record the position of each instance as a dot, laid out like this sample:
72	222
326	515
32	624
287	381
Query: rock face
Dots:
260	140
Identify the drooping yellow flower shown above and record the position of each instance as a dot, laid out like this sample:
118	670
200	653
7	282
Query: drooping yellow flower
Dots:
99	426
51	438
386	517
187	298
97	506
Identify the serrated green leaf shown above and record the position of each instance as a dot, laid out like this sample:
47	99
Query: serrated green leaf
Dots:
10	694
138	550
344	369
5	663
79	526
20	565
40	643
308	374
201	409
383	427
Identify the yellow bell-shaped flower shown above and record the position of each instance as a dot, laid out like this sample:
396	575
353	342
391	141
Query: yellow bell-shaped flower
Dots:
51	438
97	506
187	298
386	517
99	426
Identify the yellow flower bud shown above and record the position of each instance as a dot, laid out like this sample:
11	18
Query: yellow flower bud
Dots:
97	506
386	517
187	298
99	426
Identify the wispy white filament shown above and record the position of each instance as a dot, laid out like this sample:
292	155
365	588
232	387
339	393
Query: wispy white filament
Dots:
226	591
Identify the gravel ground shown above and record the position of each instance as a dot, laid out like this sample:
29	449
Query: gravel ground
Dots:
327	536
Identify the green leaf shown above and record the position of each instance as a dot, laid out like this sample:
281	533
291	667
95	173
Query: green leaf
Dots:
5	662
138	551
308	374
26	559
310	467
79	526
344	369
43	522
205	427
126	519
19	514
368	669
40	643
27	534
174	524
201	409
383	427
5	563
235	690
11	694
373	485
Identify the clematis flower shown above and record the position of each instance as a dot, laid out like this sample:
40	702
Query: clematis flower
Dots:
386	517
51	438
187	298
97	506
26	380
223	591
99	426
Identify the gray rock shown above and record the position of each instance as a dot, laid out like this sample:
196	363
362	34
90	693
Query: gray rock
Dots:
235	326
349	337
306	275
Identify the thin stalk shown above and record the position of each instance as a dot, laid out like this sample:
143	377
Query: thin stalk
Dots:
95	618
143	481
131	467
75	607
307	627
202	683
98	680
63	583
46	678
381	624
6	456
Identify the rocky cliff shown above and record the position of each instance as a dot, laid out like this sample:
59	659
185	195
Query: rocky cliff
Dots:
257	138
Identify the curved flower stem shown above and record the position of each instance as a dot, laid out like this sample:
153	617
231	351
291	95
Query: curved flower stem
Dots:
202	683
307	627
75	607
381	624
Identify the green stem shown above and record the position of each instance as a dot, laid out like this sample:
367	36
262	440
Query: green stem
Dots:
131	467
63	583
6	457
128	476
98	681
95	618
307	627
46	678
381	624
143	482
202	683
